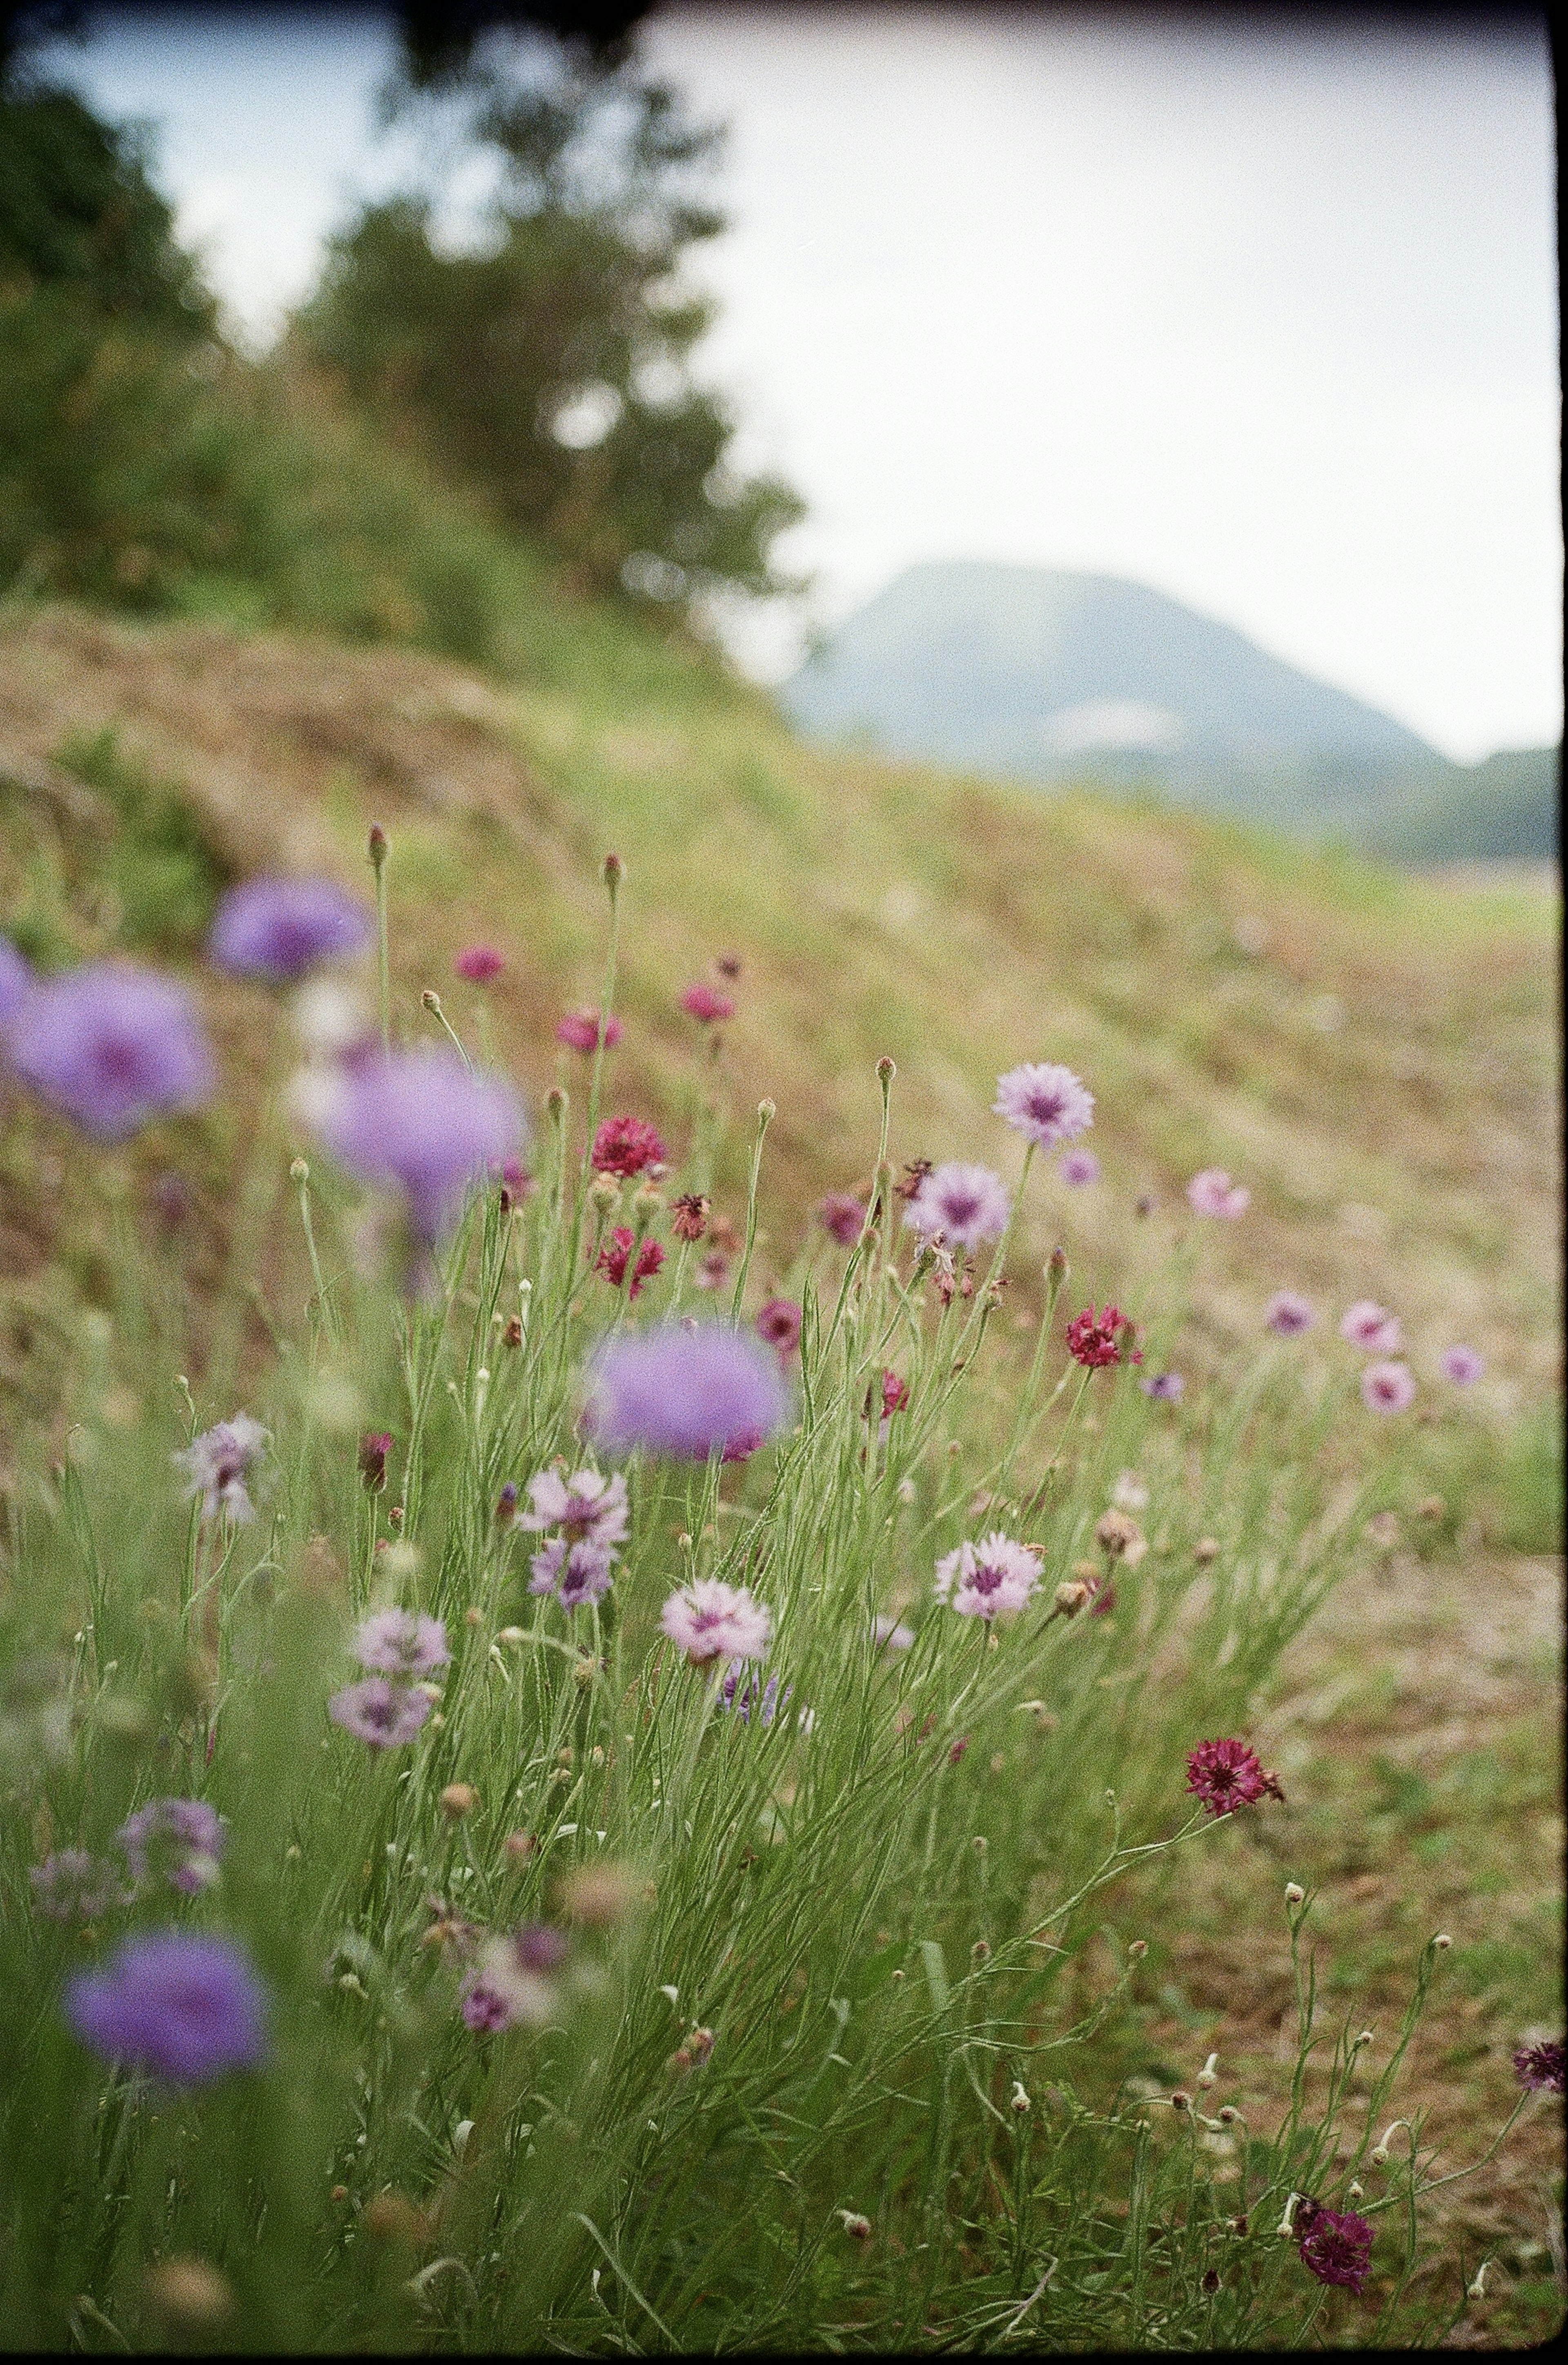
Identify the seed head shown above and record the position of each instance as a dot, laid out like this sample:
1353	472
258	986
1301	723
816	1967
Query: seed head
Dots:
1442	1942
1071	1598
458	1799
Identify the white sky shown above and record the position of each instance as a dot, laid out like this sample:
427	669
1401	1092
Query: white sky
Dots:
1264	317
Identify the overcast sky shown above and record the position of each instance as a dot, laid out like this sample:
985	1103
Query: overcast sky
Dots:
1263	317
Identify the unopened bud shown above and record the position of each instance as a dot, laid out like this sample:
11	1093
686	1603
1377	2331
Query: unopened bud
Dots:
886	1069
858	2227
700	2044
377	846
1365	2038
1442	1942
1285	2229
1431	1506
766	1111
1206	2076
980	1951
518	1846
647	1201
1294	1893
458	1799
1071	1598
604	1192
1228	2115
614	871
1354	2191
1056	1268
1211	2279
556	1103
431	1000
298	1171
512	1335
1180	2099
1476	2288
1139	1948
1087	1572
1205	1550
1018	2101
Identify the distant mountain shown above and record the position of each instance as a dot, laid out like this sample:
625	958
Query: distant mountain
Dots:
1051	676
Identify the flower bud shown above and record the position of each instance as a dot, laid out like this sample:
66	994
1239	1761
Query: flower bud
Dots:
766	1111
647	1201
1206	1549
1228	2115
1180	2099
614	871
556	1103
1056	1268
1294	1893
980	1951
1018	2101
1211	2281
458	1799
1206	2076
700	2044
298	1171
1139	1948
377	847
1354	2191
430	1000
1071	1598
886	1069
604	1192
1442	1942
512	1335
858	2227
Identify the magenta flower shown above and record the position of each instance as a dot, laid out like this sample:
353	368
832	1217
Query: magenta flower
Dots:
587	1508
400	1642
843	1216
709	1619
685	1393
701	1001
423	1123
1096	1341
1078	1167
1372	1327
740	1695
1333	2244
374	1448
218	1463
277	929
626	1145
178	1840
1164	1387
15	978
72	1886
580	1030
1463	1365
180	2003
1213	1192
778	1325
574	1572
1045	1104
615	1255
382	1714
113	1046
1538	2067
964	1203
991	1579
504	1990
479	964
1388	1387
1287	1314
1225	1774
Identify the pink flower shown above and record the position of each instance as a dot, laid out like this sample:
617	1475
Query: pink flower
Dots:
587	1508
1225	1774
612	1259
895	1394
479	964
624	1145
778	1325
842	1215
964	1203
401	1642
580	1030
701	1001
1097	1339
1388	1387
574	1572
992	1578
1287	1314
1463	1365
384	1714
1078	1167
710	1621
1213	1192
1372	1327
1045	1104
892	1634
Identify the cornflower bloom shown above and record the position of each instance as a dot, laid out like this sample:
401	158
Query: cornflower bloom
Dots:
113	1046
381	1714
1045	1104
15	977
181	2003
1212	1192
582	1030
1333	2244
1388	1387
421	1123
574	1572
72	1886
277	929
1166	1387
741	1693
1463	1365
688	1216
778	1325
1372	1327
990	1579
479	964
626	1145
702	1002
1287	1316
1225	1774
400	1642
374	1448
1538	2067
505	1992
218	1463
182	1838
842	1215
588	1508
685	1393
709	1620
1098	1339
1078	1167
964	1203
615	1255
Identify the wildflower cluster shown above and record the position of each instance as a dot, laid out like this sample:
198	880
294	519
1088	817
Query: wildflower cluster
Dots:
590	1517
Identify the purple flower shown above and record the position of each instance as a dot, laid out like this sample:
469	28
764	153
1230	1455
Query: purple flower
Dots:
1166	1387
112	1046
505	1991
401	1642
779	1323
1287	1314
1372	1327
964	1203
421	1123
1078	1167
990	1579
1463	1365
892	1634
1045	1104
1334	2244
72	1886
218	1463
842	1215
1213	1192
1538	2067
686	1393
384	1714
712	1621
588	1509
574	1572
739	1694
278	928
181	1839
15	978
177	2003
1388	1387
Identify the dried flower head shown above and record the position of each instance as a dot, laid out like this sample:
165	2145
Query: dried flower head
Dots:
688	1216
1120	1537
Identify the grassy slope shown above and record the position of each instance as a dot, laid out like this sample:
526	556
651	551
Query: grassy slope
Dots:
1380	1067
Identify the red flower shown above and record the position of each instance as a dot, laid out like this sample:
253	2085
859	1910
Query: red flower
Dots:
580	1030
1333	2244
1096	1339
702	1002
895	1394
479	964
613	1259
778	1322
374	1450
624	1145
1226	1775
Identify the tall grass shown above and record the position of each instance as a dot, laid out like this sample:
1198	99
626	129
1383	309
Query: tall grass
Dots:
827	2063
